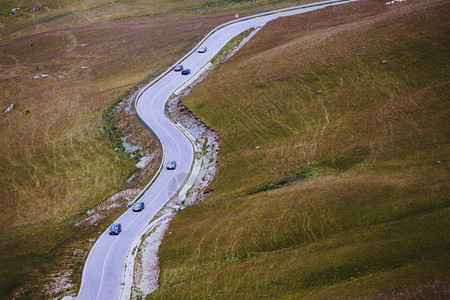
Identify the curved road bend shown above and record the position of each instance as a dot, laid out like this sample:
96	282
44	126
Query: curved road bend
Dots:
104	268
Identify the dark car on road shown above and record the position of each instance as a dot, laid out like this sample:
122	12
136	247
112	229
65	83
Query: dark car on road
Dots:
186	72
139	206
115	228
202	49
178	68
171	165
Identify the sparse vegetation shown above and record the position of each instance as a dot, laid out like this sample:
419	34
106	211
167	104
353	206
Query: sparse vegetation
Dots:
333	175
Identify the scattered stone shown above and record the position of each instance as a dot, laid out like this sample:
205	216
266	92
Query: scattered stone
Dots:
384	61
129	147
84	67
438	162
14	11
129	180
143	162
83	45
36	8
10	108
41	76
257	147
393	1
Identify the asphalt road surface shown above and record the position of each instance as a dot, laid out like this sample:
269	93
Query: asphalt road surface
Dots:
103	273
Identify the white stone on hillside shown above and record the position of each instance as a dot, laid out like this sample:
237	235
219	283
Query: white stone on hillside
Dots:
10	108
143	162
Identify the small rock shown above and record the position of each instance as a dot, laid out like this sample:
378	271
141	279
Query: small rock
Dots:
143	162
10	108
36	76
319	92
84	67
257	147
44	75
83	45
14	11
393	1
384	61
438	162
36	8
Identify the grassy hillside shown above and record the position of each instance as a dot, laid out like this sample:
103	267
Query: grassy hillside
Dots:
58	158
65	13
333	175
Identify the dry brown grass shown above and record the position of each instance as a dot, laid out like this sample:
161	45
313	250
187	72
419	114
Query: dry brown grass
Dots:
63	14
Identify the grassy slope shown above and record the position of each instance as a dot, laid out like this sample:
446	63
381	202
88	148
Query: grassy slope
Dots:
56	162
334	171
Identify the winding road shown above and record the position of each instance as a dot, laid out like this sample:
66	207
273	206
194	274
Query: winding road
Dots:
103	273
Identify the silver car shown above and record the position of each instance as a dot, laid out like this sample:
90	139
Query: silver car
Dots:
171	165
139	206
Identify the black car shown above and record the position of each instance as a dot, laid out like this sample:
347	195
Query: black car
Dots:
139	206
185	72
171	165
115	228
